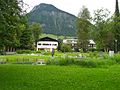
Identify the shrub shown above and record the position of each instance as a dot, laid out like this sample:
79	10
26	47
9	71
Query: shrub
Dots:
60	61
86	63
106	62
66	61
24	51
93	63
46	53
38	51
116	58
2	53
51	62
93	54
66	48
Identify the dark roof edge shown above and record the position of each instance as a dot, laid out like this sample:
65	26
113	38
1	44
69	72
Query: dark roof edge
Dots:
47	39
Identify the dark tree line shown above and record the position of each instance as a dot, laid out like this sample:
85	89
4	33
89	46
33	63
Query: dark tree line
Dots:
15	33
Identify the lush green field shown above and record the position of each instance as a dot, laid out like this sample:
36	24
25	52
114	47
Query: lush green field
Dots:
35	77
62	59
34	57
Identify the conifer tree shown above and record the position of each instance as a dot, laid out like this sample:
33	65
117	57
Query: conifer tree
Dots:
117	9
117	27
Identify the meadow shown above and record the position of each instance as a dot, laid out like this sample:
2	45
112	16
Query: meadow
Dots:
64	71
36	77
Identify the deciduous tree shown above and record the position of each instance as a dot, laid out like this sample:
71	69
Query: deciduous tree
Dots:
83	28
36	31
102	32
10	19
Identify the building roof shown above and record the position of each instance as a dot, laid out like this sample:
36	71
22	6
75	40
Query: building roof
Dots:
47	39
91	42
75	41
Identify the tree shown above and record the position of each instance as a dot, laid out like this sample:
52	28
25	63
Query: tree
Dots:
83	28
117	25
117	13
36	31
10	15
102	32
26	39
84	13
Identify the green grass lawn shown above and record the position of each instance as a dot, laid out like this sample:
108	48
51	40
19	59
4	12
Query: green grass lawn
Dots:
35	77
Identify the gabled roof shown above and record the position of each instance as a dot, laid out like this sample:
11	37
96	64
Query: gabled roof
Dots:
91	41
47	39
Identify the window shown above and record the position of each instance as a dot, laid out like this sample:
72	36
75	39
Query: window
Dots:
54	44
46	44
39	43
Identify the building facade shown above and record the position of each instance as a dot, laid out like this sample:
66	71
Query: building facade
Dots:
73	42
47	43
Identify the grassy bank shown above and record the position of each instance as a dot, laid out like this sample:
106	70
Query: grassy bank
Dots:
32	77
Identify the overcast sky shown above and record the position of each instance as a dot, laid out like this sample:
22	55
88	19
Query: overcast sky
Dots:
73	6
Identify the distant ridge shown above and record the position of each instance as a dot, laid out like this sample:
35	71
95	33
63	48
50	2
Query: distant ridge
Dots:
53	20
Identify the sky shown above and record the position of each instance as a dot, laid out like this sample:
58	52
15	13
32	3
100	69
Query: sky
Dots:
74	6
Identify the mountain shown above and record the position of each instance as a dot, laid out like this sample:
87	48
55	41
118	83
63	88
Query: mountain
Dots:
53	20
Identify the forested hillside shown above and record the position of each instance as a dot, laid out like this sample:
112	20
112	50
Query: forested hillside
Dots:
53	20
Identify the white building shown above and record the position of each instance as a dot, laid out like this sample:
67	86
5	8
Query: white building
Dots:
47	43
73	42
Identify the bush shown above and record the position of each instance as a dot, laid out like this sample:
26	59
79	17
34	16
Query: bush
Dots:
61	61
38	51
86	63
66	48
46	53
93	63
93	54
2	53
24	51
116	58
94	49
66	61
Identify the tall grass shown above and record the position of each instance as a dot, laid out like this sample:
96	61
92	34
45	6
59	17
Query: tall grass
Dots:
83	62
91	60
116	58
61	61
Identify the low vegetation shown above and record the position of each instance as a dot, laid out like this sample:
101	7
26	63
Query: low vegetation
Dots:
32	77
66	71
91	60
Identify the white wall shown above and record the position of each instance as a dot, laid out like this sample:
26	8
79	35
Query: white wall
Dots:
47	45
70	41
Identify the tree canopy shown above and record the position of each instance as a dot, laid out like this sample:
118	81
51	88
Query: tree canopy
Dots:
14	29
83	28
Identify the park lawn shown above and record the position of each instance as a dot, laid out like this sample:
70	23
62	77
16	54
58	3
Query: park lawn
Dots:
36	77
